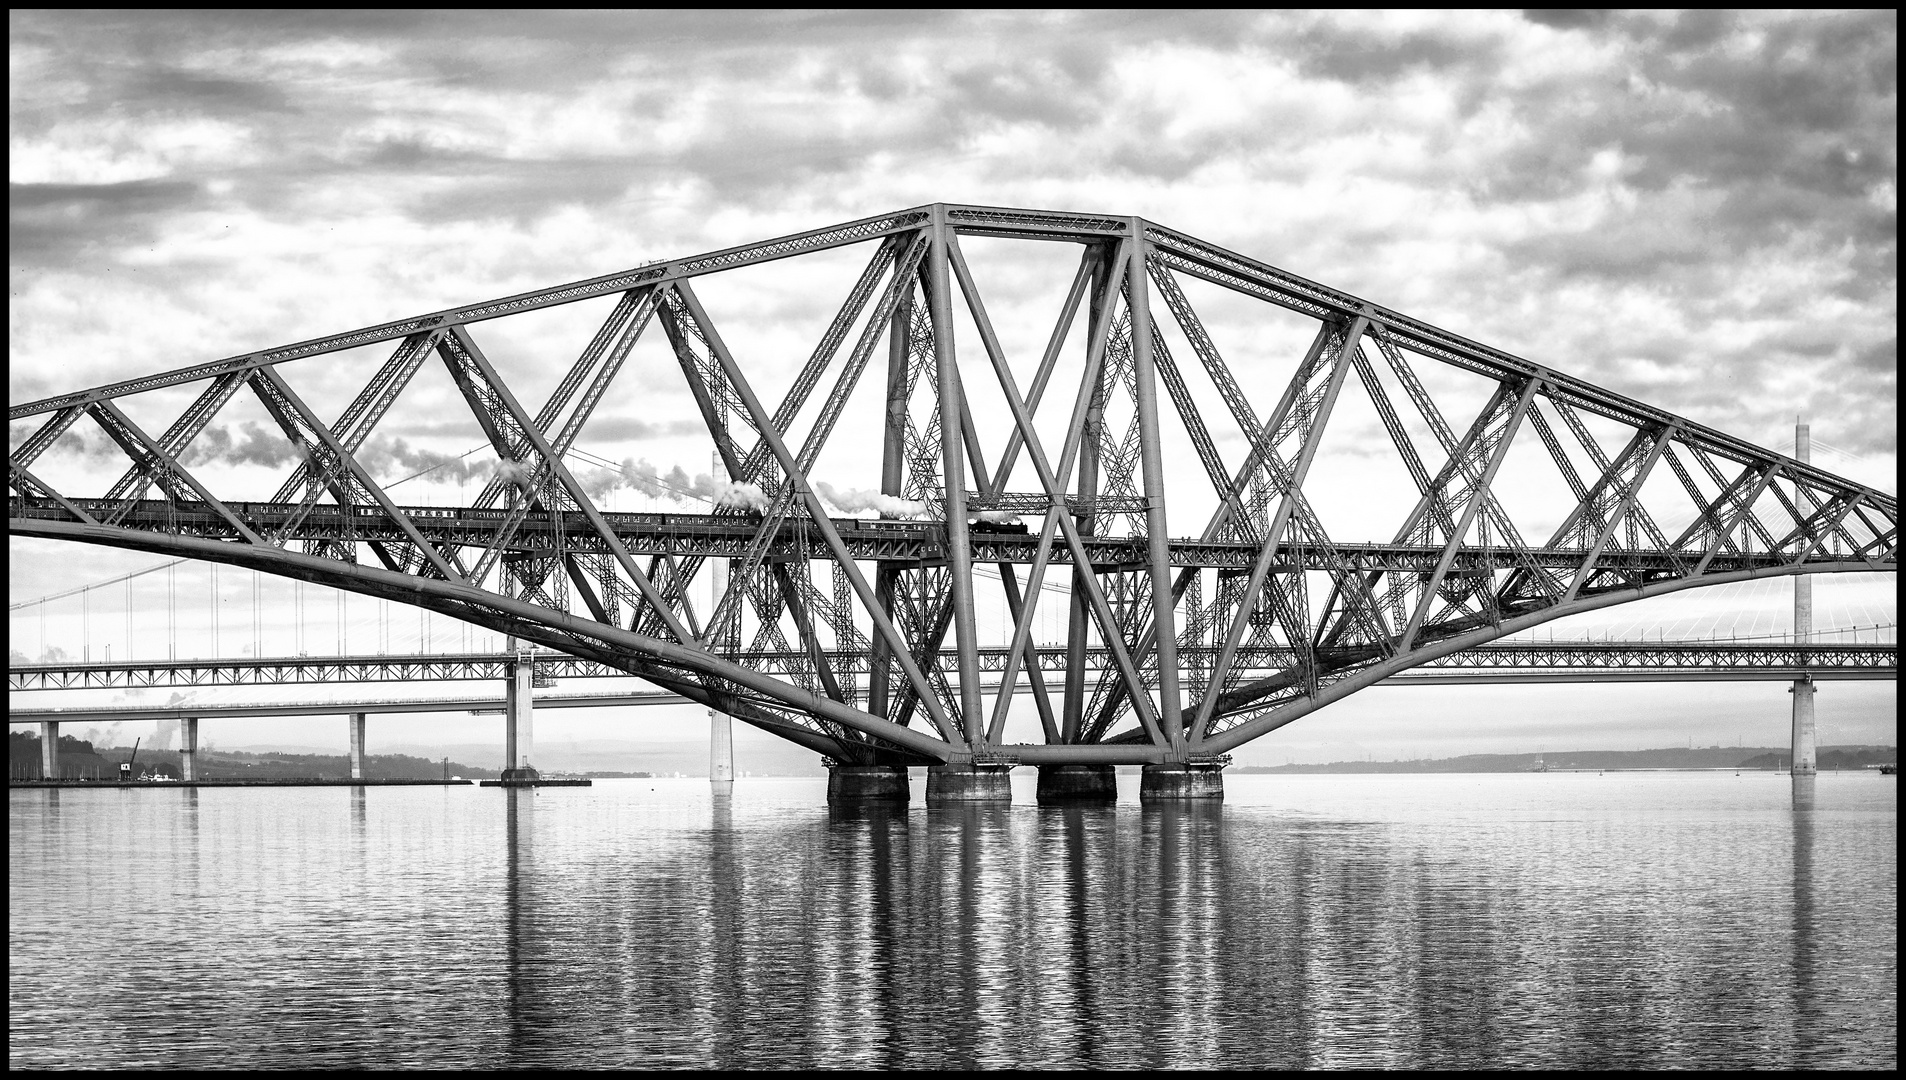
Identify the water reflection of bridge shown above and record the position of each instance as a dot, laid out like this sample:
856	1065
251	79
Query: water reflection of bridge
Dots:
1188	934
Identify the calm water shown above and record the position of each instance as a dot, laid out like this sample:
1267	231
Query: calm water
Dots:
1638	920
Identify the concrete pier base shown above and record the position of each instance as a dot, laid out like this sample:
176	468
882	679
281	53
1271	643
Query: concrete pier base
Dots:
519	711
955	784
357	746
867	784
1162	783
50	750
1065	784
721	751
519	777
1804	761
188	748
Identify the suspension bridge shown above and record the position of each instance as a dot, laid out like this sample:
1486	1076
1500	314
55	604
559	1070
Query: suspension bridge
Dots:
1162	577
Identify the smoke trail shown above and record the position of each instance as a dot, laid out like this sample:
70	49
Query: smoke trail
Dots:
386	457
998	516
726	493
675	485
253	444
516	473
93	445
855	500
639	475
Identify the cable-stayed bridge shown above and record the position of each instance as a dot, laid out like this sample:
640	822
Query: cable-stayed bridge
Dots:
1189	504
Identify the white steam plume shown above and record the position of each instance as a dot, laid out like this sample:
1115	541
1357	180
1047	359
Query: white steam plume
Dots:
724	493
675	485
855	500
516	473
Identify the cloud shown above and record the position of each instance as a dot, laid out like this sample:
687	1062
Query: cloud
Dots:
1568	18
629	427
1697	208
56	224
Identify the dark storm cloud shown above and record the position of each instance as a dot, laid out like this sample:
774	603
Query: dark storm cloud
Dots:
746	151
1780	119
1568	18
61	223
1353	55
1880	359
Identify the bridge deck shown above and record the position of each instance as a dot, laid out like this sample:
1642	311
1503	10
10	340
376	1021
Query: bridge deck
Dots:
911	543
1501	662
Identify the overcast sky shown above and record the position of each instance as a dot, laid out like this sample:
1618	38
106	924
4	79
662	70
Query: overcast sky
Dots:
1698	210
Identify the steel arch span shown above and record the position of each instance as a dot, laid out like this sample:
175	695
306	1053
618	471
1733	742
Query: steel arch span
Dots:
1103	469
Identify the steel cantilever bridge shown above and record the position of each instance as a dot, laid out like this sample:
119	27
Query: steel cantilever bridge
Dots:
1177	648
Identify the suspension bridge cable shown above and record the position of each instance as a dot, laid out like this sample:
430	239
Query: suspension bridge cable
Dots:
438	465
77	589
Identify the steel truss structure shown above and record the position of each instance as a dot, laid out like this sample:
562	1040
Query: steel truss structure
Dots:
1672	659
861	639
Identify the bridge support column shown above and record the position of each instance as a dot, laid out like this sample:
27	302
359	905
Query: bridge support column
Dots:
721	752
49	750
189	748
956	784
1163	783
1805	760
867	784
1073	784
518	714
721	726
357	746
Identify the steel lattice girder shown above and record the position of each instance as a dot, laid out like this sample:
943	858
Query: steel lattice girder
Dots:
1843	660
1203	641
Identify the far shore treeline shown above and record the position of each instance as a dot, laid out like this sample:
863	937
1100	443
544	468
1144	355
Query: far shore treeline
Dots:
79	759
1830	758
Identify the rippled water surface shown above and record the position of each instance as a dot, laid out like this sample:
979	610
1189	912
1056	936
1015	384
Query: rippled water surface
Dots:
1621	920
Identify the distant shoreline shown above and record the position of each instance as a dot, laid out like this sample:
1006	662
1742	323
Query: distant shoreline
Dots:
1665	759
260	782
1331	770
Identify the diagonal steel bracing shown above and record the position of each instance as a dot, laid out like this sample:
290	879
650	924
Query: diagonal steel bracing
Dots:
1057	552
